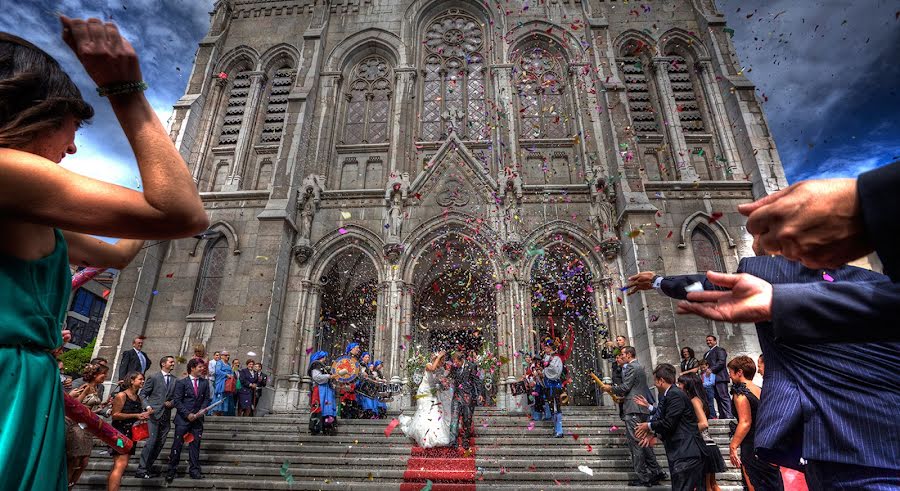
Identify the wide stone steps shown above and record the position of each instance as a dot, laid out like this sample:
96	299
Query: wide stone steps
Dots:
250	453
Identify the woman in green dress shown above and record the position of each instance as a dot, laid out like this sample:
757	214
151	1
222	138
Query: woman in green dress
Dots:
46	214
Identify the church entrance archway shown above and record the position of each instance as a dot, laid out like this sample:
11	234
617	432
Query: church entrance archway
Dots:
454	304
349	303
562	306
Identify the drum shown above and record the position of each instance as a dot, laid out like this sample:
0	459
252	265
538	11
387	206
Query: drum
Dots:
517	388
369	388
347	370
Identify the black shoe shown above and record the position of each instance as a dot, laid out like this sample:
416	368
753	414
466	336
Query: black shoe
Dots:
636	483
170	478
197	476
142	475
662	476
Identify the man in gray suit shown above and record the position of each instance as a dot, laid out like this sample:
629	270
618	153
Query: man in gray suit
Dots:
634	384
157	395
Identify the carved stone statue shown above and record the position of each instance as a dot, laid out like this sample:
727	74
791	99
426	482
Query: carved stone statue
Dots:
603	211
309	197
395	196
509	195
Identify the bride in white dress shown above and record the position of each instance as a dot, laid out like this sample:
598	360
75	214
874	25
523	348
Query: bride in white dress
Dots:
429	426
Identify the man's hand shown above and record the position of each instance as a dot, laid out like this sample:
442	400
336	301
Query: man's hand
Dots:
642	431
191	417
641	401
817	222
66	335
640	281
749	299
169	404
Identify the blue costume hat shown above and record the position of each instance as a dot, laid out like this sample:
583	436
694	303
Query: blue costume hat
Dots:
318	355
363	355
378	363
350	348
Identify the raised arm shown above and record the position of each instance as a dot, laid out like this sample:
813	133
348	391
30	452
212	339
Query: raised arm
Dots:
37	190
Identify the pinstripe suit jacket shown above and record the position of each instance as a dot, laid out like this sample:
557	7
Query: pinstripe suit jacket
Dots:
831	402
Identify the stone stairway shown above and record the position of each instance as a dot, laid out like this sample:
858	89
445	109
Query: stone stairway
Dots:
277	452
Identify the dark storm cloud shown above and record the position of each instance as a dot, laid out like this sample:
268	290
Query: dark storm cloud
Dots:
829	70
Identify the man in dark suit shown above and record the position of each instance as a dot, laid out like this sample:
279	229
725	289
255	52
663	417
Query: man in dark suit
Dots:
717	357
676	425
157	394
467	391
191	396
823	223
823	402
134	360
634	384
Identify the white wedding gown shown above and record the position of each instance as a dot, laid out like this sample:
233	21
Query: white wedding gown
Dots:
429	426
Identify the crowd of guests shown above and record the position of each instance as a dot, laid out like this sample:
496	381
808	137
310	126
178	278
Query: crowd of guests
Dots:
545	381
142	403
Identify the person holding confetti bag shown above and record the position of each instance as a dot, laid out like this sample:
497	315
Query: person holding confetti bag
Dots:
48	215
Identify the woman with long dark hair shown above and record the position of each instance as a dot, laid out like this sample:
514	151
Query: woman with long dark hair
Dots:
127	410
692	385
49	214
745	399
689	363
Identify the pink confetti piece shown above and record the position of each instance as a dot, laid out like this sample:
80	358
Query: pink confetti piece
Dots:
342	231
309	350
827	277
390	427
531	426
613	428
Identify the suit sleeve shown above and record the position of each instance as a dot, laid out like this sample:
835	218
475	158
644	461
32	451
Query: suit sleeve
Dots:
178	399
245	378
149	385
674	286
123	364
207	398
717	364
628	377
878	200
665	424
836	312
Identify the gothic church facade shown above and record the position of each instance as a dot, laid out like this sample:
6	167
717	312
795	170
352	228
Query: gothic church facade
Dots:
420	174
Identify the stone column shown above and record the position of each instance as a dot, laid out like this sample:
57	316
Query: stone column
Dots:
720	119
381	332
404	89
505	137
247	132
290	350
672	122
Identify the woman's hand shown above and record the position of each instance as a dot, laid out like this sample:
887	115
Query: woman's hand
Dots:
107	56
145	415
734	456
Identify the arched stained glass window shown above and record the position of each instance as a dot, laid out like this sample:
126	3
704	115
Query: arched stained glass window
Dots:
540	83
706	250
212	272
368	102
454	81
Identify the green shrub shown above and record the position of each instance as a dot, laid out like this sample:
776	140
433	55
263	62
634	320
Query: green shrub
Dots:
74	360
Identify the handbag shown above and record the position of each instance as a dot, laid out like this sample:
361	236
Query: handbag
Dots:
140	431
230	385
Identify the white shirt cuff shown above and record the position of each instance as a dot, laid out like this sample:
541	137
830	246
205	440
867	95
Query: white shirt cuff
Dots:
657	282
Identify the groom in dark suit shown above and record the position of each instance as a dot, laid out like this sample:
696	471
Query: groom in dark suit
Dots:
191	396
467	390
676	424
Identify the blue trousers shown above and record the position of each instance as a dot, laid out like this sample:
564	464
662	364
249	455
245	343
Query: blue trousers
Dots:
833	476
711	399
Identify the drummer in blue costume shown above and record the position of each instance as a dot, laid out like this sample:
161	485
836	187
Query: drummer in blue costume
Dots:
322	404
367	405
349	407
379	377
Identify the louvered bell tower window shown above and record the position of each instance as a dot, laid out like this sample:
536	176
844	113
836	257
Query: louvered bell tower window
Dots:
234	111
686	103
643	117
276	109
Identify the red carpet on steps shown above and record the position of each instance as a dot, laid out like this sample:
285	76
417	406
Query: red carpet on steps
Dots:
448	469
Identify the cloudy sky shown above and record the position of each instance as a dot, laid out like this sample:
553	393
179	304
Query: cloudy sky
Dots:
828	70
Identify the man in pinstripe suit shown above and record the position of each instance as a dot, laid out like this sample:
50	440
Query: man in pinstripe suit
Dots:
833	404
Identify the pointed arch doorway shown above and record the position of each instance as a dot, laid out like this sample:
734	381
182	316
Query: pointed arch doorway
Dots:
562	306
349	303
454	303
